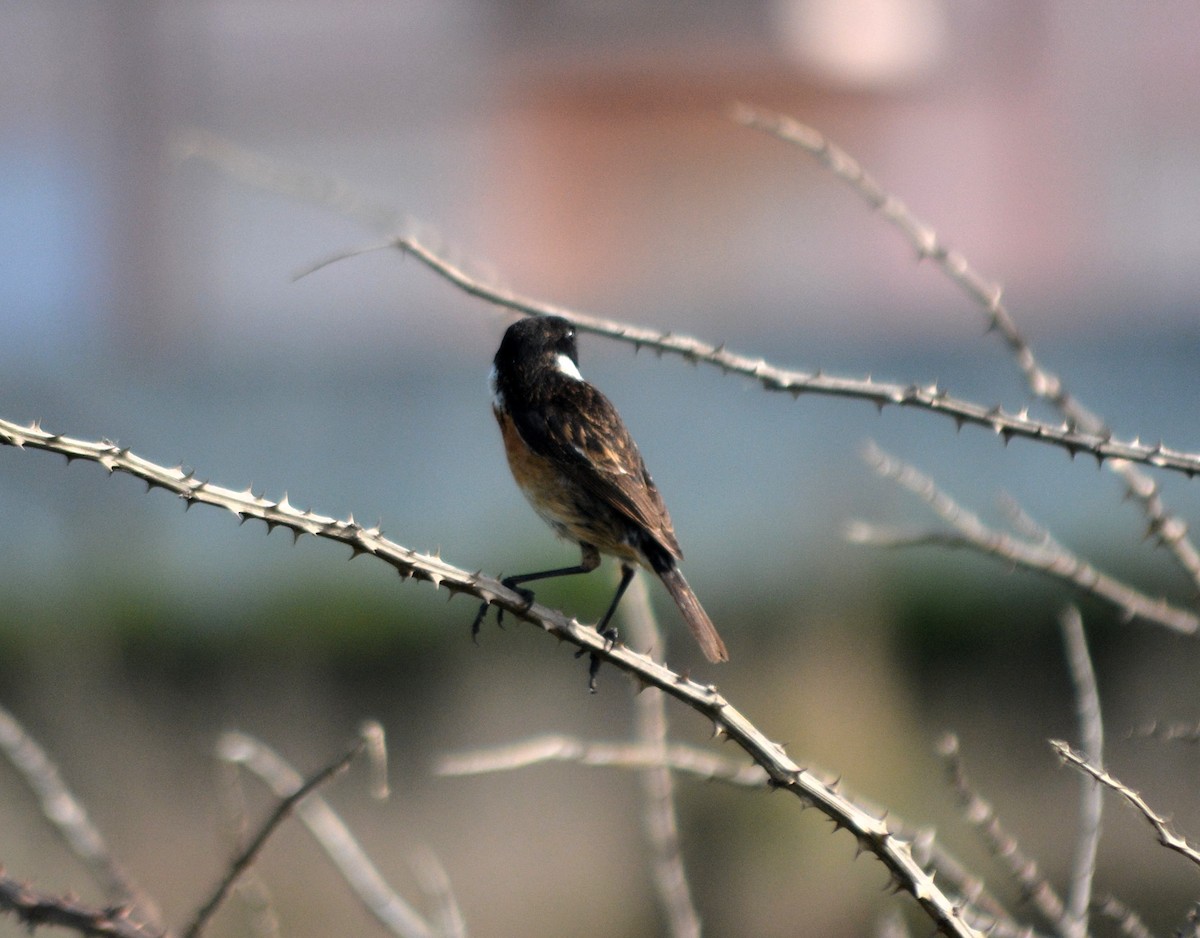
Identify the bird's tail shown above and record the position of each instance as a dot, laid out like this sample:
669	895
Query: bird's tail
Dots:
694	615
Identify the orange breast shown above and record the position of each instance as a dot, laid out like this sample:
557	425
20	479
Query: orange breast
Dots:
537	477
559	502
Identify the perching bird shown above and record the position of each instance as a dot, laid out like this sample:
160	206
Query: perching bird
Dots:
575	462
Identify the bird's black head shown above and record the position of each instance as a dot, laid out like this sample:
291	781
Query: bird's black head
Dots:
534	348
539	337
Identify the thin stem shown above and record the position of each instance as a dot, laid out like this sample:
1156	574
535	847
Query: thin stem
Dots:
1091	803
658	785
250	853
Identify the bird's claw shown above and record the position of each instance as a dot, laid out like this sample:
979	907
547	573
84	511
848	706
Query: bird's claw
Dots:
526	594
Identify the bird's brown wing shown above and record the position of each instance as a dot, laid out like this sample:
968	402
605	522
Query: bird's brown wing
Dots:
583	434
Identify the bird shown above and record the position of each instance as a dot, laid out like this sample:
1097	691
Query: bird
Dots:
577	464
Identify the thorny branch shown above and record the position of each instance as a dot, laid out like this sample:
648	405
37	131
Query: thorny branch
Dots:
873	834
1073	435
1170	530
1081	432
35	909
984	911
1166	836
1004	846
1048	557
1005	424
1127	919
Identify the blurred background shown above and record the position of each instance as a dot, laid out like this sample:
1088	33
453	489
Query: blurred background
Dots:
581	152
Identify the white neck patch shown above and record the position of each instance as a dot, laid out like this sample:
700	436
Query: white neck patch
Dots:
567	367
493	383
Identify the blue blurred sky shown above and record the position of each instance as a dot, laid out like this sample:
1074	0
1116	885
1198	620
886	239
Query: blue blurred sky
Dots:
582	154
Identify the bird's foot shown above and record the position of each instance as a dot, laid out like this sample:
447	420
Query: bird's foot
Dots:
609	634
526	594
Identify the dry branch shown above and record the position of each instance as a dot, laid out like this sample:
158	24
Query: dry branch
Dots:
340	845
1007	425
982	909
1168	528
250	853
982	816
1091	802
1047	557
658	785
35	910
447	917
1127	920
70	819
1073	435
873	834
558	748
1166	836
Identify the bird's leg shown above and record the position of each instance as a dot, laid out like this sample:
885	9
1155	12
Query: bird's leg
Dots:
587	563
610	632
607	632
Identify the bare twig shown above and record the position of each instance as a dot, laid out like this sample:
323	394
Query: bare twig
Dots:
1169	732
1047	557
989	913
984	911
245	859
981	815
1191	926
1004	424
448	919
331	833
1127	919
273	175
1024	524
1091	805
891	925
35	909
1169	529
873	834
1167	837
557	748
71	820
658	786
253	892
372	734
